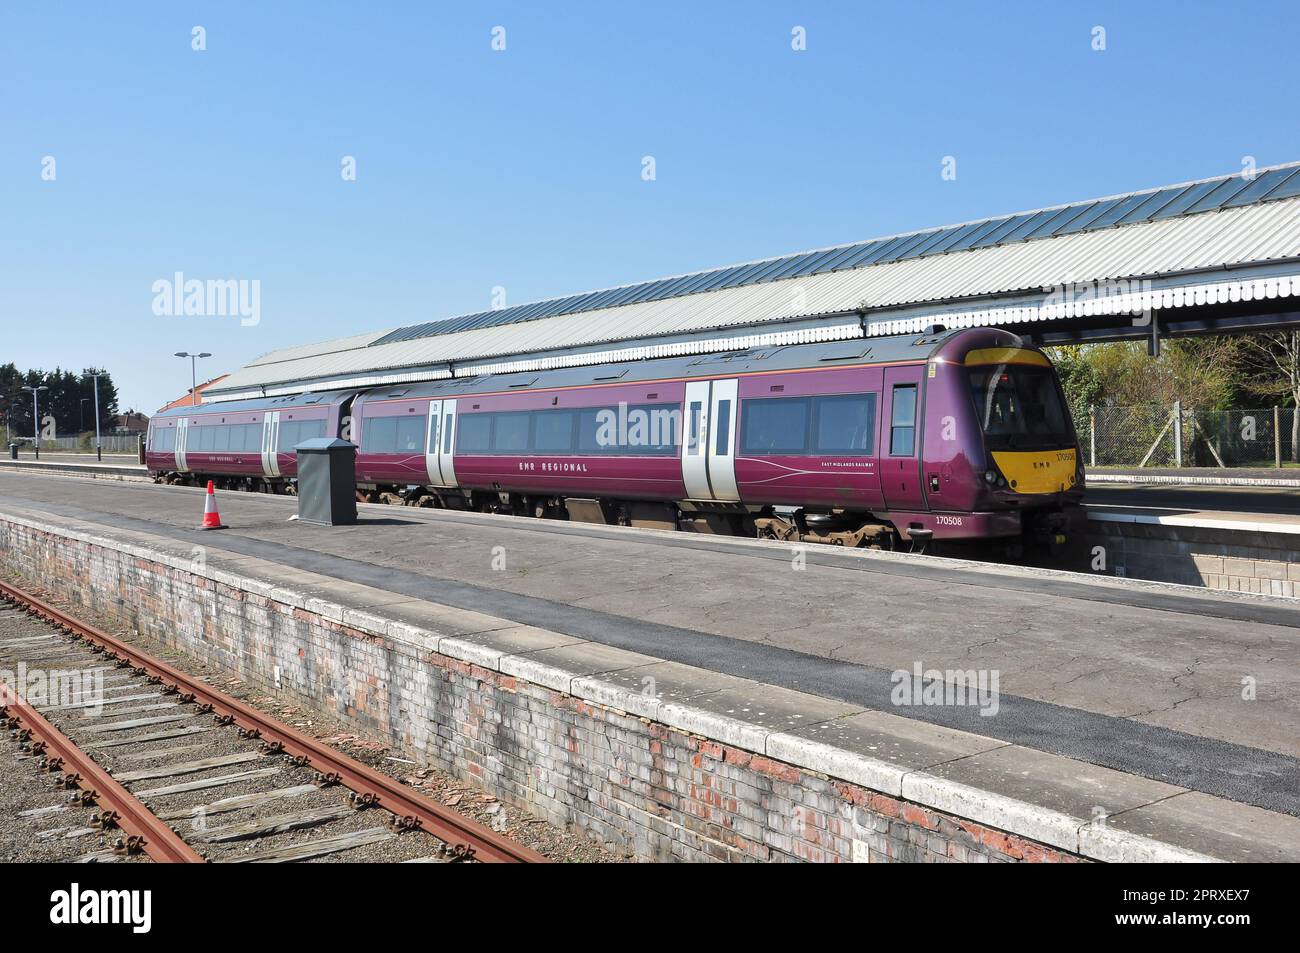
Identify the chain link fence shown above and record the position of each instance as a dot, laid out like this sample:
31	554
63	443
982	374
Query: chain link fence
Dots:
110	442
1157	435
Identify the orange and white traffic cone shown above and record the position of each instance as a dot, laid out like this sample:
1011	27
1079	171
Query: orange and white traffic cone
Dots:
211	518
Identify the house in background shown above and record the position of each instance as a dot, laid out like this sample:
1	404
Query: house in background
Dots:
189	398
131	422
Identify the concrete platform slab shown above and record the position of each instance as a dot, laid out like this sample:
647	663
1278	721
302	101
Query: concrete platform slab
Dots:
1052	796
772	707
911	745
557	667
668	682
1212	826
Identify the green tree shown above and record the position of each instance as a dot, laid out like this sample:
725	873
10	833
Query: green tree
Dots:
62	400
1273	365
1202	373
1080	380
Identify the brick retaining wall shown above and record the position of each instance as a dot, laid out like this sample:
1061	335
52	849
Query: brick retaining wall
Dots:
1231	559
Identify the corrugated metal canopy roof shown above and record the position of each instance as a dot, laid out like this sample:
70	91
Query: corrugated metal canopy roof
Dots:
1146	206
1171	233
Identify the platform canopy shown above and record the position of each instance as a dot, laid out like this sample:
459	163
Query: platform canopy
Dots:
1217	255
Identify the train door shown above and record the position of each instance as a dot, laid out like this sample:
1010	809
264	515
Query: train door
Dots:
433	444
447	443
900	437
182	433
709	444
270	444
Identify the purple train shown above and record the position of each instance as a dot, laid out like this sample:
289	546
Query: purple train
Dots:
945	435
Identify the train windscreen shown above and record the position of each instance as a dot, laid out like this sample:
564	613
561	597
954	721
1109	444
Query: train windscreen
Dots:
1020	408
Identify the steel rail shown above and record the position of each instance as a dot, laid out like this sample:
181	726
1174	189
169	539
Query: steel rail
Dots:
370	788
119	807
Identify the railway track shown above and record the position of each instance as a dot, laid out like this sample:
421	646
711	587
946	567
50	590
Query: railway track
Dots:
147	762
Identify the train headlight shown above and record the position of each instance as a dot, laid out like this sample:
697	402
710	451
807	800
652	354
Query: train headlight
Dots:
991	477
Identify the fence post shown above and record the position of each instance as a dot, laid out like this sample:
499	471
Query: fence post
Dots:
1092	436
1178	433
1277	437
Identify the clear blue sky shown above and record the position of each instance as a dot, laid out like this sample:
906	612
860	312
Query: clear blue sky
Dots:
522	168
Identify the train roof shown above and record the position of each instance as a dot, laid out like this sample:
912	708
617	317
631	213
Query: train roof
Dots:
257	403
890	350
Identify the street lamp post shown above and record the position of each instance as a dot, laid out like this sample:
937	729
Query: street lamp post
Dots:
99	453
194	380
36	415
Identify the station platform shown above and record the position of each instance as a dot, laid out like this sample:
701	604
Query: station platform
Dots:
82	465
1116	696
1235	521
1244	538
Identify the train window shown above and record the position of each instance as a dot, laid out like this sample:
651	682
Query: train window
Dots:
510	433
164	440
1019	408
629	430
635	430
446	437
288	436
775	426
379	435
294	432
474	435
693	444
220	439
722	427
902	421
553	432
410	434
589	432
845	425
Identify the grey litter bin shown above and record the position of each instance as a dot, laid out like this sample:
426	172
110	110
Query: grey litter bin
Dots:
13	451
327	482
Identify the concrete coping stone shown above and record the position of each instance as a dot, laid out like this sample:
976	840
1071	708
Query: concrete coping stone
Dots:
1238	523
1185	479
492	650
